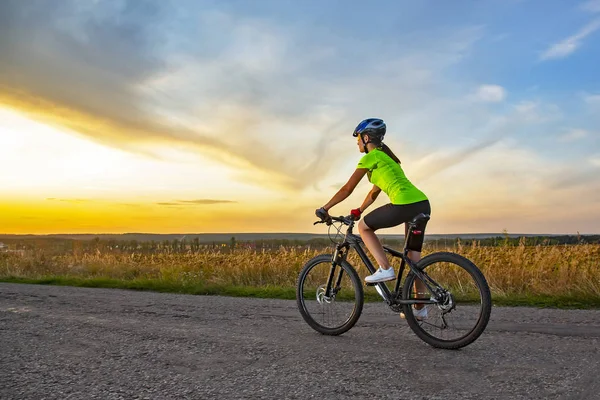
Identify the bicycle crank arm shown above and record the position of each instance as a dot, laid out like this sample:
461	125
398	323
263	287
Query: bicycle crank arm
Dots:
416	301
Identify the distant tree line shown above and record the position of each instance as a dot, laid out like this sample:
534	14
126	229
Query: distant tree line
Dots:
526	240
62	246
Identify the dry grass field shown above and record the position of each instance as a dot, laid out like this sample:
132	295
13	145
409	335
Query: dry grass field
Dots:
552	275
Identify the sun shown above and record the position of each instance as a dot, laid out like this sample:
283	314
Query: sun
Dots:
39	158
44	161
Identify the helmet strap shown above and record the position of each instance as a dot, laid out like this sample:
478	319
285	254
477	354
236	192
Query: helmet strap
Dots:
364	144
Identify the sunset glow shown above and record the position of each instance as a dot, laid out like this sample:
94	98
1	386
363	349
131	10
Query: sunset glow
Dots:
206	117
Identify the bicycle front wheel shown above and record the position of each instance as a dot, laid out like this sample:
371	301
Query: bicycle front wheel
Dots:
465	305
330	312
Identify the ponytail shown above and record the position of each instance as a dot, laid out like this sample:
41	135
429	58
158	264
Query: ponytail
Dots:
389	152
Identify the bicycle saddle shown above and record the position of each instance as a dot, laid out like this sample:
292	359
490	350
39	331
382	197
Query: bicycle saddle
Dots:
419	218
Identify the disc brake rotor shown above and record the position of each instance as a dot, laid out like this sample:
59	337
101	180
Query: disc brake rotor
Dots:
447	304
321	298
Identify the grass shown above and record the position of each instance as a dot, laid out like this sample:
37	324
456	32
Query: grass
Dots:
272	292
156	285
565	276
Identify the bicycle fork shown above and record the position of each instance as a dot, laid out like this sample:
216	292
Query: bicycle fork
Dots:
338	257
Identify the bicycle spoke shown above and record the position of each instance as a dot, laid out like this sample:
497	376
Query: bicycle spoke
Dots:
334	314
463	306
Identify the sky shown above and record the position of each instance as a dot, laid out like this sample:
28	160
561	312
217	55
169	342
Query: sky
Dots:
185	116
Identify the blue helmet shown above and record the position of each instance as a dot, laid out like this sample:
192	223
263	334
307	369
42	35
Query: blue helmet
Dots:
374	127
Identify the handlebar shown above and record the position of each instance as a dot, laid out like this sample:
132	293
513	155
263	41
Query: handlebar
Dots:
348	220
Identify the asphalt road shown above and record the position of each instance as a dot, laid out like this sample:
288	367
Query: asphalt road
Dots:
78	343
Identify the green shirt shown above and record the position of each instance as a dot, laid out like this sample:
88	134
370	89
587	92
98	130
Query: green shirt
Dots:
388	175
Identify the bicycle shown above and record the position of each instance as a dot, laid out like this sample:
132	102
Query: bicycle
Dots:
321	292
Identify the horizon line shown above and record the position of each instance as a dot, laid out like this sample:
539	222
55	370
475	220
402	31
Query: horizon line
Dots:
288	233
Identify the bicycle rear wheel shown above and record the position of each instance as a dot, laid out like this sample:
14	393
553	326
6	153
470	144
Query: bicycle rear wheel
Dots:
338	312
466	304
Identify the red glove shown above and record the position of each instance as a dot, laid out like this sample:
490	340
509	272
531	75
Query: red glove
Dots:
356	213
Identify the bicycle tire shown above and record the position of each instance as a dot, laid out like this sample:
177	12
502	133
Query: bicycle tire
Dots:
301	299
419	327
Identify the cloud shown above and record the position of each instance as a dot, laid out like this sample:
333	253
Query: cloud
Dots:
234	106
592	99
93	68
69	200
536	111
437	162
205	201
584	178
573	135
130	205
511	186
264	97
491	93
595	161
591	6
195	202
490	134
569	45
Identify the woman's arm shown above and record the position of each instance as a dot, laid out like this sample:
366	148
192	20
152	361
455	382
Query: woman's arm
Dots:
370	198
347	189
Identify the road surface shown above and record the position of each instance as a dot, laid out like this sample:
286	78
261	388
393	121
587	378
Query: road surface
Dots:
81	343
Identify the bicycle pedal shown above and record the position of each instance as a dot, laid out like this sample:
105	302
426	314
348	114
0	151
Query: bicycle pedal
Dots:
370	283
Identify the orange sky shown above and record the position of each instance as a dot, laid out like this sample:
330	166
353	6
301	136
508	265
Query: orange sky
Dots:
198	117
57	181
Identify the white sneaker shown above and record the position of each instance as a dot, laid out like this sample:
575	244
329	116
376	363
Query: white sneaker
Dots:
420	315
381	275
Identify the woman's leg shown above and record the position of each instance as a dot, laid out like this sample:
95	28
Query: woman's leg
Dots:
388	216
373	244
419	288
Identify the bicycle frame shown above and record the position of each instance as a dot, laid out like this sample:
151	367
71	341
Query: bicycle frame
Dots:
391	298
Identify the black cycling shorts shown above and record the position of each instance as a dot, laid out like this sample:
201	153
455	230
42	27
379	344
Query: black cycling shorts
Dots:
396	214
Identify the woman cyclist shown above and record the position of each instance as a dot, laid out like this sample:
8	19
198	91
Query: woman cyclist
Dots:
383	170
